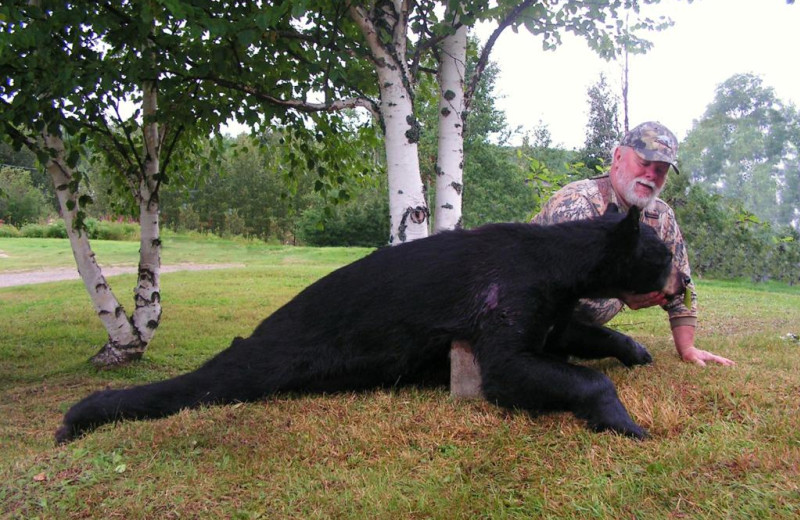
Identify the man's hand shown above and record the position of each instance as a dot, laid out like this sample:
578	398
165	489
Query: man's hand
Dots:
701	357
640	301
684	344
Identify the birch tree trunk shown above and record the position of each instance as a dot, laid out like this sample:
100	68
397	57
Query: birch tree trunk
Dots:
147	294
450	156
121	334
147	315
127	337
407	201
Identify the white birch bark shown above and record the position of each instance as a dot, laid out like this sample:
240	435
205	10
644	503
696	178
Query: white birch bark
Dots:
127	338
147	293
407	202
109	310
450	156
147	314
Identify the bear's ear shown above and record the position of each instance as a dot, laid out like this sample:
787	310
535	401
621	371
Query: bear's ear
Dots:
611	208
633	218
626	232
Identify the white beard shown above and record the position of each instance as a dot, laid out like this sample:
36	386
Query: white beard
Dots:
634	199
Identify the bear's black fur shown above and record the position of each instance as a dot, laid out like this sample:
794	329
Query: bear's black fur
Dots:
389	319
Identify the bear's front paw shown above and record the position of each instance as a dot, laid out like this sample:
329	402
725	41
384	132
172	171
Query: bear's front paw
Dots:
636	355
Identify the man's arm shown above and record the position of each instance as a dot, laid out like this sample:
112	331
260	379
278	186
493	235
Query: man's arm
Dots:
683	335
683	318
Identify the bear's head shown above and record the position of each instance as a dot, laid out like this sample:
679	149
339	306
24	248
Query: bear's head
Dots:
641	262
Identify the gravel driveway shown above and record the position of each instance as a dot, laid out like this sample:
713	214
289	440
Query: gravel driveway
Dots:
12	278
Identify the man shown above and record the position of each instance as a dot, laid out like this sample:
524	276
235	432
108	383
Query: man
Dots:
639	168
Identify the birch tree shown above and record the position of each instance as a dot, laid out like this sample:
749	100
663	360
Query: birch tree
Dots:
61	97
329	57
452	58
384	26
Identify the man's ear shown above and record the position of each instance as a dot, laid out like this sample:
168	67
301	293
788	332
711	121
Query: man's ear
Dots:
627	231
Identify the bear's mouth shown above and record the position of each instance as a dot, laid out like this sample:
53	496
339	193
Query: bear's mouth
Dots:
677	284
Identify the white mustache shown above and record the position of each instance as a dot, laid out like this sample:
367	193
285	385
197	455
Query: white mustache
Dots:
645	182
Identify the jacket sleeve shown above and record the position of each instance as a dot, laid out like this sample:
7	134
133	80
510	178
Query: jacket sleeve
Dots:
679	313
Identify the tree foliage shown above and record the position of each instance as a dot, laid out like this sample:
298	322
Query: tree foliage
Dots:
602	128
187	66
362	221
726	241
746	147
291	62
251	190
20	201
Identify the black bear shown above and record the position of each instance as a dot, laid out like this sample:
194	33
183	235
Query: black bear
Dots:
389	319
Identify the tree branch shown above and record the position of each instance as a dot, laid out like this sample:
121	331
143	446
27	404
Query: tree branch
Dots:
487	49
297	104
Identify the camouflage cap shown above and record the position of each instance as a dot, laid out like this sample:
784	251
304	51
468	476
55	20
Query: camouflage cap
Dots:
653	142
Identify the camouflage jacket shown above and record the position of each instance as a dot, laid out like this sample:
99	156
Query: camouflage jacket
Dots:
589	198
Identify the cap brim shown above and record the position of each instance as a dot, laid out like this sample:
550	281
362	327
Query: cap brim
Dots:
654	155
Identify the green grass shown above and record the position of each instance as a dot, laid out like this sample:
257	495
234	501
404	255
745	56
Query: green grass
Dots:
725	441
21	254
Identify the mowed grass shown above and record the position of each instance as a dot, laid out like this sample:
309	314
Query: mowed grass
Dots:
28	254
725	442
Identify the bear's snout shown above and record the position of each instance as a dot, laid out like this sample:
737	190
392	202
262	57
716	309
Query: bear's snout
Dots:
677	282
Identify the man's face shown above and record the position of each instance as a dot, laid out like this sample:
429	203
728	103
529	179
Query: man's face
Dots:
637	180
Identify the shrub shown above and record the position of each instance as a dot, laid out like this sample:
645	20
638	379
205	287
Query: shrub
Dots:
363	222
188	219
20	201
234	224
109	230
55	229
8	231
95	229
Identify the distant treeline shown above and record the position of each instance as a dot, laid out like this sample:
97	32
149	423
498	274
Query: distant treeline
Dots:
251	194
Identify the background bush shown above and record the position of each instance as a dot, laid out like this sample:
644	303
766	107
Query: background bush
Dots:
55	229
8	231
361	222
20	201
95	229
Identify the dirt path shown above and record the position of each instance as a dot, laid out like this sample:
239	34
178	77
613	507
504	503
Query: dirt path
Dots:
10	279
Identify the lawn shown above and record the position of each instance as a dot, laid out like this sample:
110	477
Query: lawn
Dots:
725	441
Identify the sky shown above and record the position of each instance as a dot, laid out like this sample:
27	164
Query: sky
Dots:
674	82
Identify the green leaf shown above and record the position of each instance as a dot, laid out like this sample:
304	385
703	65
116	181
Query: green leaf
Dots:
72	158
